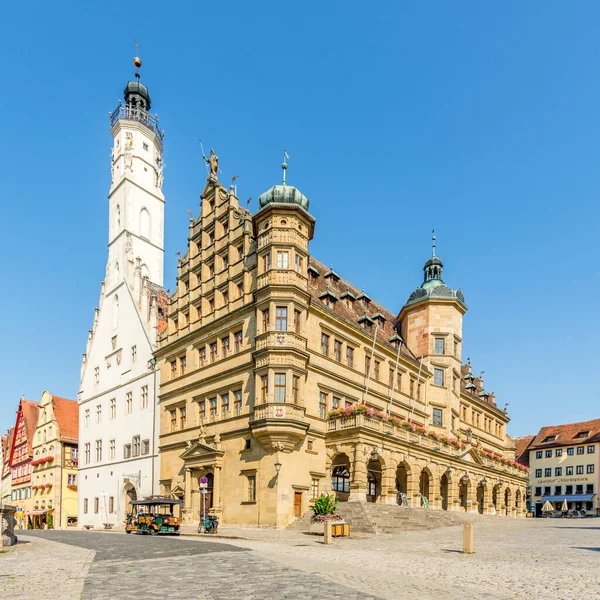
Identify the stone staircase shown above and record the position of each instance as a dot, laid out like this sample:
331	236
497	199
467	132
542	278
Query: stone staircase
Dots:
303	523
367	517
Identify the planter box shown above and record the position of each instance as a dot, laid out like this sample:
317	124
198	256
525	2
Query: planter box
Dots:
340	529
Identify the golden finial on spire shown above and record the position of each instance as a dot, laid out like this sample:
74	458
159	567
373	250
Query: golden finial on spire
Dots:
137	61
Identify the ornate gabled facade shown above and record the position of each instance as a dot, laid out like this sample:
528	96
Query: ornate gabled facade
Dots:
280	380
55	462
21	455
6	481
118	389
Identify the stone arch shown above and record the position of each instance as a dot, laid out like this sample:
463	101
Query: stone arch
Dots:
480	497
445	485
375	470
518	501
145	223
426	486
129	494
145	272
340	476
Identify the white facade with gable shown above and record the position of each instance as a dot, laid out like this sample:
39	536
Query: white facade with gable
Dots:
118	413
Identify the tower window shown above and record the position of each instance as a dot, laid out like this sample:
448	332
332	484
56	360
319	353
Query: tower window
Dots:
437	417
145	146
438	376
440	346
282	260
281	318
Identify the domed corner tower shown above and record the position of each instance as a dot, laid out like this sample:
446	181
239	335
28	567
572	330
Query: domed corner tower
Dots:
283	228
431	325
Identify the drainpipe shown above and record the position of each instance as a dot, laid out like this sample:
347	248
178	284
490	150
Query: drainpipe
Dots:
154	428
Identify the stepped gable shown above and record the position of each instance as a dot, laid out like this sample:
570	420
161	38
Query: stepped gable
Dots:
567	435
66	413
522	445
318	286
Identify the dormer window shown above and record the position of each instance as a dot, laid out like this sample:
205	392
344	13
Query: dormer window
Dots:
328	298
365	322
331	274
549	438
379	318
313	273
582	435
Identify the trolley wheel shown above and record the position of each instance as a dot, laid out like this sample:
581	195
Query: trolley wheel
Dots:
128	531
152	531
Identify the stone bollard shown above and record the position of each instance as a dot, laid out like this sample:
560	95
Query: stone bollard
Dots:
468	538
7	525
328	537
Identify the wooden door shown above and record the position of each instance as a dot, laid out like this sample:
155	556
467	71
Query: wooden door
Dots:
298	504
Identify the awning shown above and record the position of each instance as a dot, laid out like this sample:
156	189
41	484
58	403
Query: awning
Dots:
572	498
38	512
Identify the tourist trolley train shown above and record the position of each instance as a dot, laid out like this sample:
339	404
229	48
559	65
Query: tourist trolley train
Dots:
153	516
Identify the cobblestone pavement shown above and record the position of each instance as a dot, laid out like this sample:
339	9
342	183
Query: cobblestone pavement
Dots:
145	567
515	559
524	559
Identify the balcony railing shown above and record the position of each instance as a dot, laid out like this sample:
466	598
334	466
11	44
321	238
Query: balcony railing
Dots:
139	114
281	277
278	410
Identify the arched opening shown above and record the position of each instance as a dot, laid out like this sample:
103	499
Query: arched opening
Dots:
424	487
480	498
495	495
206	498
444	486
145	223
145	272
402	474
340	477
129	495
373	480
517	502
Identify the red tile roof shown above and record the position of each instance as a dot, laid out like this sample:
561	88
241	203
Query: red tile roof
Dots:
30	414
66	413
522	445
336	285
565	435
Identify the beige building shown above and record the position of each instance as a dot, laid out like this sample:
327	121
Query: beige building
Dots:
564	466
55	462
280	380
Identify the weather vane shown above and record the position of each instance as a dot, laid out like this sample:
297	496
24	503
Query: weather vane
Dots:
433	238
284	166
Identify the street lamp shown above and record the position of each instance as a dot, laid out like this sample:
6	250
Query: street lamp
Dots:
277	467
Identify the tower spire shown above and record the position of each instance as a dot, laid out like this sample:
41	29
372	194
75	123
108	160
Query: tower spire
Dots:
137	61
433	238
284	166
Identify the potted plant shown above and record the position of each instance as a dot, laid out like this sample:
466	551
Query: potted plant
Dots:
324	509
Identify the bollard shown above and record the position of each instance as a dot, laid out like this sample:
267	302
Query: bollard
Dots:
468	538
328	537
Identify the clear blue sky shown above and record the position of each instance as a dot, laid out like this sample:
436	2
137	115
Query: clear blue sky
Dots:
481	118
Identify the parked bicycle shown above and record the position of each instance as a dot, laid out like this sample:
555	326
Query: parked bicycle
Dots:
208	524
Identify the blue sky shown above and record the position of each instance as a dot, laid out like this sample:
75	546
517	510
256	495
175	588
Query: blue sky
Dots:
479	118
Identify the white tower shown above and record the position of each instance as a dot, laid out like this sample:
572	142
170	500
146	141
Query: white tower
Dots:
118	416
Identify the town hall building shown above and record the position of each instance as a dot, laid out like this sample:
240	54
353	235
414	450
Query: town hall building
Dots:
281	380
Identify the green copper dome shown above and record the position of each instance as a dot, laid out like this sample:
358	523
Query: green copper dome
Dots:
283	194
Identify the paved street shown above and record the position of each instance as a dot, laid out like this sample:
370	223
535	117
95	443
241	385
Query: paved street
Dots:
515	559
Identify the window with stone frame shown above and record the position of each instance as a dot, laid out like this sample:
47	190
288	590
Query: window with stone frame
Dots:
283	259
580	450
173	415
557	471
136	446
337	350
145	447
239	286
173	368
591	449
438	376
213	352
325	344
280	387
437	417
323	405
98	450
335	402
538	454
237	402
86	421
558	452
568	471
350	356
548	472
538	472
144	397
87	453
548	453
127	451
133	353
96	374
376	369
251	488
182	365
202	412
265	320
296	389
299	262
439	346
202	357
314	489
128	403
85	506
238	340
367	366
281	318
96	505
266	262
589	469
225	405
213	409
112	408
264	387
182	417
98	414
225	346
111	504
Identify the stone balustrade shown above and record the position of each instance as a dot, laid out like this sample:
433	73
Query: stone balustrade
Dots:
280	339
278	410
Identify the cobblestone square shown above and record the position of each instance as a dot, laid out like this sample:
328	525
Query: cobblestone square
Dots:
515	559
